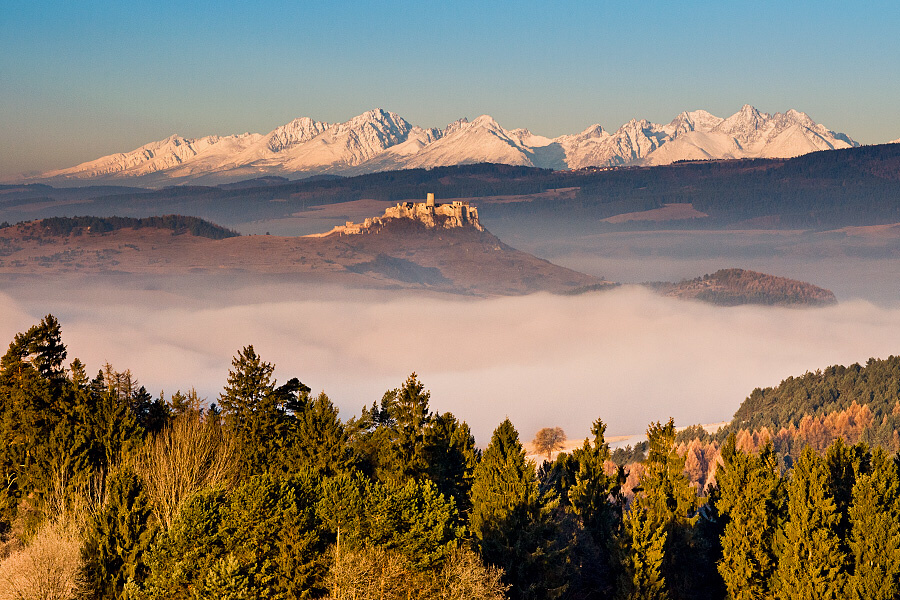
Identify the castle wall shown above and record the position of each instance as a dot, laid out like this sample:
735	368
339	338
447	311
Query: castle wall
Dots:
446	216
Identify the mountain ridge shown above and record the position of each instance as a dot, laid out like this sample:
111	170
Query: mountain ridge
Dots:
379	140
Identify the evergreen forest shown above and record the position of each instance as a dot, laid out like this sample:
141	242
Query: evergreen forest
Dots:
107	493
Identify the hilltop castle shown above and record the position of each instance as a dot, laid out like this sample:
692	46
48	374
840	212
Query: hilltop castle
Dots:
446	216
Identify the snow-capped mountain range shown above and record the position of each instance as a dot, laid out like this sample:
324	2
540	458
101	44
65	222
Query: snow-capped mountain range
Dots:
380	140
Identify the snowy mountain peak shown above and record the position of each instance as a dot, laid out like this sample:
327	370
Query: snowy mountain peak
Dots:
296	132
455	126
696	120
486	121
379	140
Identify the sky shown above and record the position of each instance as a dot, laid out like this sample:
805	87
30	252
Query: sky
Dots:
79	80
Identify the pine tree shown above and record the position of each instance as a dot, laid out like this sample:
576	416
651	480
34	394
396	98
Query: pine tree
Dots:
184	554
225	580
271	527
416	520
875	532
32	381
750	498
811	563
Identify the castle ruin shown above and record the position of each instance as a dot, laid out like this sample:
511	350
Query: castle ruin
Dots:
432	214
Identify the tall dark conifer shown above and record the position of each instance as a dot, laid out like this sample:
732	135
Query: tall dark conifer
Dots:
875	532
811	562
751	498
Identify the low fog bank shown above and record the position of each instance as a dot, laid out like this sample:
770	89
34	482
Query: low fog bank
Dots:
627	356
860	266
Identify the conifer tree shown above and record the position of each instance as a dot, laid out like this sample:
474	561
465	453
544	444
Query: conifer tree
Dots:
671	506
414	519
318	439
505	490
409	410
510	522
593	489
271	527
750	498
875	532
594	497
32	380
184	554
119	537
253	412
646	555
811	563
844	464
450	457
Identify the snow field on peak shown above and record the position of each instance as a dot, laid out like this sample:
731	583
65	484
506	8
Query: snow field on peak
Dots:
379	140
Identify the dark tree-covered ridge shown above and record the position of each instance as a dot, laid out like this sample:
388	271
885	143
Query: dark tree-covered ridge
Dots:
178	224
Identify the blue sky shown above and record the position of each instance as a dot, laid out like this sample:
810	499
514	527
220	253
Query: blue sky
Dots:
82	79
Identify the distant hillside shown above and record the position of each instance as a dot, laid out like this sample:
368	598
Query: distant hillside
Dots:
732	287
401	254
827	189
178	224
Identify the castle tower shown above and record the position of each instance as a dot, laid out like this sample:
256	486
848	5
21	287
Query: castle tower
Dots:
429	200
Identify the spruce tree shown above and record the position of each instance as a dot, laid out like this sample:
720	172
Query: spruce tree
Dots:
118	540
450	458
510	522
593	498
318	440
875	532
671	506
253	412
811	562
750	499
646	555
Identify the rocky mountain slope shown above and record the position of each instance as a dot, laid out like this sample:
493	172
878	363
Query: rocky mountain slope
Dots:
379	140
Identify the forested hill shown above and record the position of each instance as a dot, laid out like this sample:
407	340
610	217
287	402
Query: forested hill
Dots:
877	385
828	189
178	224
733	287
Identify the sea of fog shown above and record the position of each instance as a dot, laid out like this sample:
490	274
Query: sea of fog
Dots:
627	356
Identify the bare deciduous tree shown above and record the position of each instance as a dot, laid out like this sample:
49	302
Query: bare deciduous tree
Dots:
549	439
187	456
47	567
